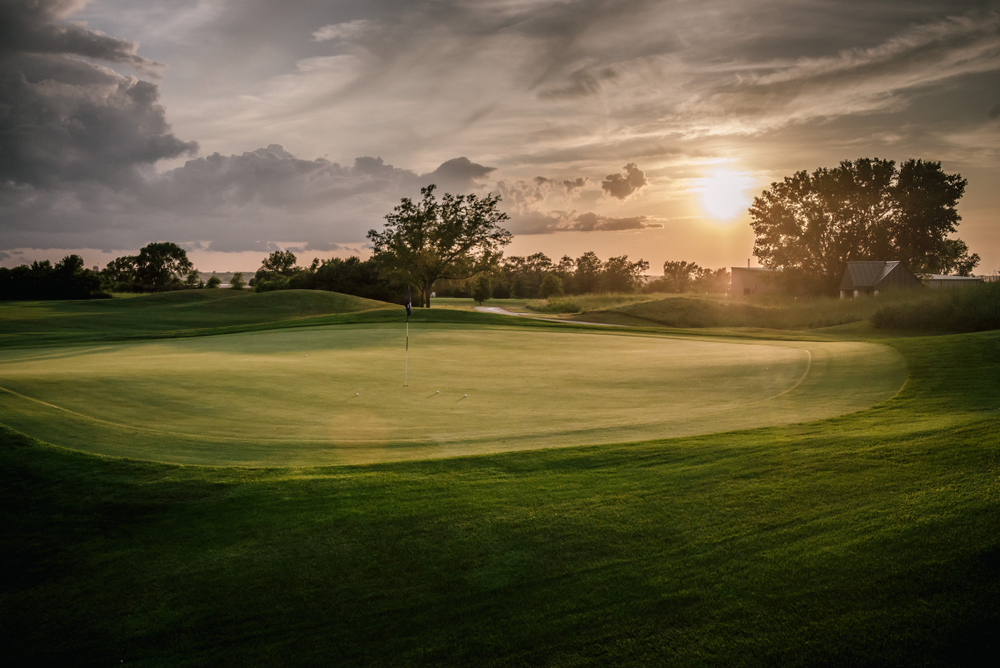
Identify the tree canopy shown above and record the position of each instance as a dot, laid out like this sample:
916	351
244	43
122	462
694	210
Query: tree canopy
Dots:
810	225
456	238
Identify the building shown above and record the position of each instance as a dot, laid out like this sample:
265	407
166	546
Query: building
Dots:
752	281
946	282
873	277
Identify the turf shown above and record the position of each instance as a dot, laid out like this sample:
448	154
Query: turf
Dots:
325	395
866	539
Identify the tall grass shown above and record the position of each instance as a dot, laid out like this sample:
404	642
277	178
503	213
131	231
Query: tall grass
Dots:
763	311
971	309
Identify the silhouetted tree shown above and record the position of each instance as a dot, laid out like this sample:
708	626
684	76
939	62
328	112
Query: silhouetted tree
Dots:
620	275
551	287
810	225
482	288
458	237
160	265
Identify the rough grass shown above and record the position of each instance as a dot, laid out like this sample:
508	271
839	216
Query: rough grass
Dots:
763	312
864	540
972	309
570	304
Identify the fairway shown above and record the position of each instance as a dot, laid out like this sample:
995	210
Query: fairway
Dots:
335	395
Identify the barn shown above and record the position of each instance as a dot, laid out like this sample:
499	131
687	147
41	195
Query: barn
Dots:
751	281
873	277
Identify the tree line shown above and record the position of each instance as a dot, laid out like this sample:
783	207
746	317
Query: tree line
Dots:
807	228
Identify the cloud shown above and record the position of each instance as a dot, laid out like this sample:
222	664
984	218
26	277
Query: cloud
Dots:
883	78
581	84
572	186
348	31
323	246
995	111
458	175
27	26
66	120
238	245
622	186
537	222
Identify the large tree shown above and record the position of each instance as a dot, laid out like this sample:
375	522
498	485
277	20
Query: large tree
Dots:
456	238
810	225
162	264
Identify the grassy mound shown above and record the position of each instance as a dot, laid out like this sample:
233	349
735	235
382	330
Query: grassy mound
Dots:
869	539
777	312
181	313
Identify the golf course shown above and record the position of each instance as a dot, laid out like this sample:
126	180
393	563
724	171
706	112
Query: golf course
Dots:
294	478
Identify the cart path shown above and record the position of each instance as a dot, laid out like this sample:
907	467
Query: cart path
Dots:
501	311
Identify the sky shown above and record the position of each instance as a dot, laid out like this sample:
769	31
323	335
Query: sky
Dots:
637	127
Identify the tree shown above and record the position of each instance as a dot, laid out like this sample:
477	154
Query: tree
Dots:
160	265
278	263
458	237
620	275
213	282
677	276
551	287
588	272
810	225
237	282
482	288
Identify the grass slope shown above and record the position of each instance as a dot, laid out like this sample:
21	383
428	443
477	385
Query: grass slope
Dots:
869	539
183	313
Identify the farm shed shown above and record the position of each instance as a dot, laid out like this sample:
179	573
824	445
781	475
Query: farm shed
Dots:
751	281
872	277
945	282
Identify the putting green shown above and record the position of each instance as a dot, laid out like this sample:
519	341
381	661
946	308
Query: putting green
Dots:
335	395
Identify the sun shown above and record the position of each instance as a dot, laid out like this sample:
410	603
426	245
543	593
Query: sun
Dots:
723	194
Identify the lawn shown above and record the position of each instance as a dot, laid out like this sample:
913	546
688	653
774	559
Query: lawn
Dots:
331	395
865	539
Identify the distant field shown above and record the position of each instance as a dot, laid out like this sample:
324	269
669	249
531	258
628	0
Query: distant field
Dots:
328	395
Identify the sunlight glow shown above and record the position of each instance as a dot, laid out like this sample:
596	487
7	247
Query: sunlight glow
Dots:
723	194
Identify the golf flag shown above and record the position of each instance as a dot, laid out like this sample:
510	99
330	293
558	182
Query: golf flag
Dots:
409	303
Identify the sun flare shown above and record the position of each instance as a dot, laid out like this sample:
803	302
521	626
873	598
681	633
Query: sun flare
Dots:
723	194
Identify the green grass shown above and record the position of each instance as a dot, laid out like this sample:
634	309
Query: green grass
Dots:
866	539
182	313
332	395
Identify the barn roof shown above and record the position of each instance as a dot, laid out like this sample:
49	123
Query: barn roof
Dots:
871	274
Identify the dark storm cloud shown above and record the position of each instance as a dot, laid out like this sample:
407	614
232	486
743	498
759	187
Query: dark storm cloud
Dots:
28	26
622	186
66	120
574	185
995	111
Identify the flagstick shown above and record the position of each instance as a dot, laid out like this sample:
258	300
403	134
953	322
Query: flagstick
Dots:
406	359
